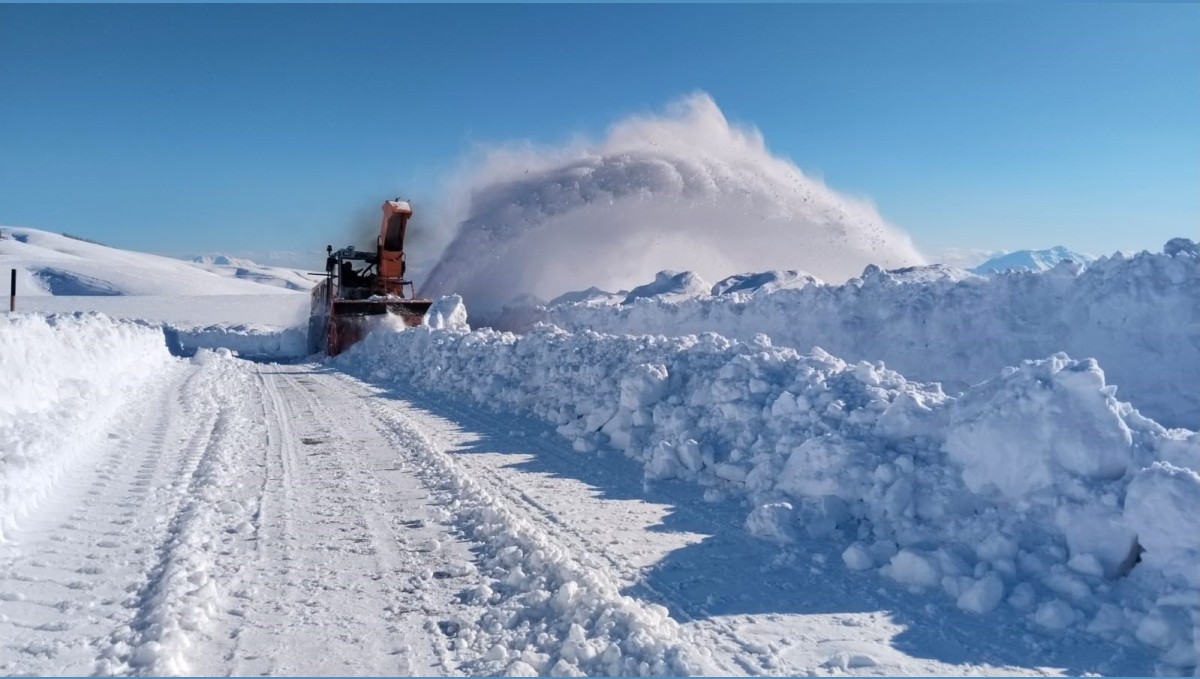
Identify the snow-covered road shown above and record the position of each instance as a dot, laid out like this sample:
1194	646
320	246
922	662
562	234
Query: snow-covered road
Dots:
236	523
246	518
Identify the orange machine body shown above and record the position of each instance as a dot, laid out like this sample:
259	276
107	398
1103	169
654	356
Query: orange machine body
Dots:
391	266
344	303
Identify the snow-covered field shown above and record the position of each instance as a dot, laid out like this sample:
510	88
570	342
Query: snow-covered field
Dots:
210	302
671	480
59	265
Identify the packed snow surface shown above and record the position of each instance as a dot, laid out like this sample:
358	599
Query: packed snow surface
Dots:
1037	489
684	190
1137	315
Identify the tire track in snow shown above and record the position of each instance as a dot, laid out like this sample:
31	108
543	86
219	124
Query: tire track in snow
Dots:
734	654
207	517
352	573
556	609
77	565
824	641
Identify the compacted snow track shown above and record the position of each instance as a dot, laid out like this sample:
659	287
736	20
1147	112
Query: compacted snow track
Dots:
234	523
351	571
246	519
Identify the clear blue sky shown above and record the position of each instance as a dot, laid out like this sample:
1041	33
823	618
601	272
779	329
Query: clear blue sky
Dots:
234	128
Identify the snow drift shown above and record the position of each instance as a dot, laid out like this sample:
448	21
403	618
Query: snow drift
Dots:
683	190
1139	316
256	342
1037	489
61	379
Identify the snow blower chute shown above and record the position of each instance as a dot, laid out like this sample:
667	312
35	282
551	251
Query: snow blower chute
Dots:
361	284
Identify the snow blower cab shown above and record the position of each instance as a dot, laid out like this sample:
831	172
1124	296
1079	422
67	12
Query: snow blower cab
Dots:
362	285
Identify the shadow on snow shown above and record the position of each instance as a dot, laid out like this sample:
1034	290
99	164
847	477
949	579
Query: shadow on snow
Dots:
729	572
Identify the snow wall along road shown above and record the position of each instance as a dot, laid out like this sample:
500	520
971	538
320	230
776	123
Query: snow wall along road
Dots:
1036	489
62	378
1139	316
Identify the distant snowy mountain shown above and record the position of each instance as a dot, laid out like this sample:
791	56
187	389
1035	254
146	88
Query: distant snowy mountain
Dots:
1032	260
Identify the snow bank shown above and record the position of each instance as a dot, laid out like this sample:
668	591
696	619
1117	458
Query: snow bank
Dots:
1139	316
279	311
61	379
766	281
1085	523
248	341
671	285
555	614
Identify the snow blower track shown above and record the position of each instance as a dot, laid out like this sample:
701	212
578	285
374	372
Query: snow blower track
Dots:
265	519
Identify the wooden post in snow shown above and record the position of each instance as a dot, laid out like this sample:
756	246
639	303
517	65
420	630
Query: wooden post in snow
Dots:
12	292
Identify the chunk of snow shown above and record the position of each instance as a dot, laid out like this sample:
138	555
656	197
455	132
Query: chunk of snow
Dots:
1023	597
1162	506
1181	246
1055	614
1007	439
447	313
767	281
983	595
671	285
857	557
911	568
772	521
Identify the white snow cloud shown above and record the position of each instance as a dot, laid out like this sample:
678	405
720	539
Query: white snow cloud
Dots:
681	190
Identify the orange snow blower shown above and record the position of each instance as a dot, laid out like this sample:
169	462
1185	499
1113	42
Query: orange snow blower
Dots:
351	293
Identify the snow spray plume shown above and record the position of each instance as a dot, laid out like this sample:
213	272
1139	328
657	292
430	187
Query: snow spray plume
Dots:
685	190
